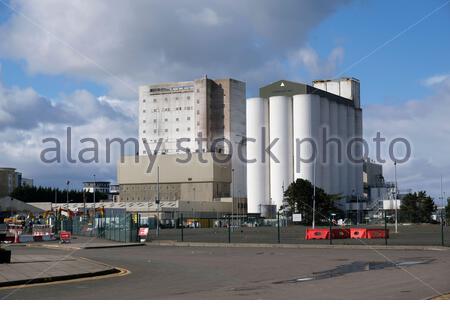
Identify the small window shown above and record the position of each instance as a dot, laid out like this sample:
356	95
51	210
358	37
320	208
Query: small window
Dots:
144	121
143	131
189	118
198	101
188	97
188	129
154	131
143	101
167	130
143	110
165	120
177	119
154	100
177	129
198	111
154	120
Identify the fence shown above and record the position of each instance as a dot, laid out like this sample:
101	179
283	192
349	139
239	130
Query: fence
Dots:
110	225
243	229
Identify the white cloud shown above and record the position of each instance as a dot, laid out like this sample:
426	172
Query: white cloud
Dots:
425	123
26	118
124	44
436	80
308	58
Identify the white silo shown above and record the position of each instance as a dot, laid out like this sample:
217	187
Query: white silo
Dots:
257	112
359	151
306	116
280	126
342	162
333	148
324	165
351	151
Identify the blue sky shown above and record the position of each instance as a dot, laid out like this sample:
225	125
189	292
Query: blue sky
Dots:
150	41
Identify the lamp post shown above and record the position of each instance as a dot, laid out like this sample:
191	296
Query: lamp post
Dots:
314	196
232	194
442	215
396	196
94	188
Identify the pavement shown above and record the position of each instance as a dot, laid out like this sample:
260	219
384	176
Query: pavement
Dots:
27	269
159	272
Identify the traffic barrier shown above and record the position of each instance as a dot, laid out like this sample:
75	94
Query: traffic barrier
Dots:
65	236
358	233
340	233
377	233
317	234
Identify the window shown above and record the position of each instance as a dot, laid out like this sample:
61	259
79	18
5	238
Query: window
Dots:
198	123
177	129
144	121
165	120
198	111
154	100
167	130
143	101
143	110
165	99
177	119
188	129
143	131
189	118
154	120
198	101
154	131
188	97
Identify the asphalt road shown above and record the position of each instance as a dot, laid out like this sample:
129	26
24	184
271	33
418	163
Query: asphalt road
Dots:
252	273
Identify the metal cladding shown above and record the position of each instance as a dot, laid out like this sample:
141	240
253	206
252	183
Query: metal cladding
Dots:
324	165
280	127
306	116
350	151
359	152
257	168
342	164
333	148
308	131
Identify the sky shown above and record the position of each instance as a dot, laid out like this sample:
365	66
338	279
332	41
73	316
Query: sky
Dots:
79	63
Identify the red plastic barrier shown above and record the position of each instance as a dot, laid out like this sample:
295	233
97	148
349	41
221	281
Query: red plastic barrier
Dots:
340	233
317	234
65	236
358	233
377	233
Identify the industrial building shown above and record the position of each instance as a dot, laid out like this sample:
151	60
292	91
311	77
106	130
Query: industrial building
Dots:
296	115
11	179
212	110
195	180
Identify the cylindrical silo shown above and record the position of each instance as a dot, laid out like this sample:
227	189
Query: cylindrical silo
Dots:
359	152
333	148
257	170
306	116
323	154
342	158
350	150
280	126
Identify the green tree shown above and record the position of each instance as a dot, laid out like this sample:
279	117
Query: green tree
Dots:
417	207
47	194
299	197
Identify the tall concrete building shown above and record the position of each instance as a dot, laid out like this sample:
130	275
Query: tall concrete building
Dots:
195	116
290	113
9	180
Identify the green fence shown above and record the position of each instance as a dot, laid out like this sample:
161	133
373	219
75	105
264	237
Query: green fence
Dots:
115	225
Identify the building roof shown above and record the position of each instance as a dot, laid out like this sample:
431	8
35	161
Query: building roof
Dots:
289	89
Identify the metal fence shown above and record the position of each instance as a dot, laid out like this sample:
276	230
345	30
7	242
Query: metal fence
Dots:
243	229
111	225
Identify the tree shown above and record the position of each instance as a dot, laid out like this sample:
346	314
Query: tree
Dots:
417	207
47	194
299	196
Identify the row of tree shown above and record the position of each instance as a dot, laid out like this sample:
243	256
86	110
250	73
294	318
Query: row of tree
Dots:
47	194
416	207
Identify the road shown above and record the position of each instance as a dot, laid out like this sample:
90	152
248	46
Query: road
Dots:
252	273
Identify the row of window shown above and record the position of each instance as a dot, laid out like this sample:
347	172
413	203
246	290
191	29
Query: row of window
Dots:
167	120
167	130
168	109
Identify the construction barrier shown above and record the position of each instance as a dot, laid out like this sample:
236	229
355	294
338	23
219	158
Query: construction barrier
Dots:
317	234
340	233
377	233
358	233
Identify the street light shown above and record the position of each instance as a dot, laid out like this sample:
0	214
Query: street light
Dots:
395	196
